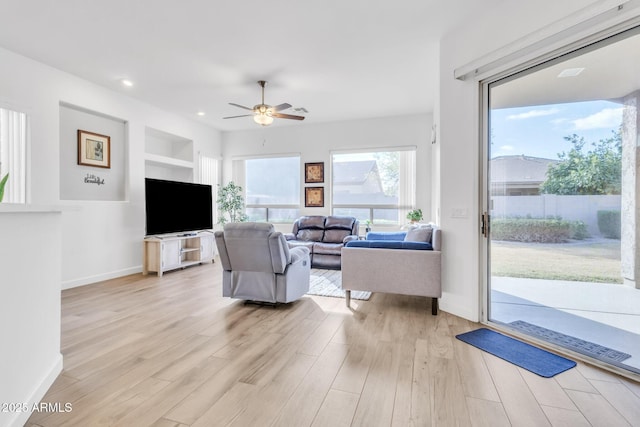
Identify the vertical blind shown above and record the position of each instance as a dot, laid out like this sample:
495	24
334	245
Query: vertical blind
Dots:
13	154
209	175
406	183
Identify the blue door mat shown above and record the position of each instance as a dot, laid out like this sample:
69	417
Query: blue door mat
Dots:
578	345
534	359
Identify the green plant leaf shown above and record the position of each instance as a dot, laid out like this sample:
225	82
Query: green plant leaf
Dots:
230	202
415	215
2	184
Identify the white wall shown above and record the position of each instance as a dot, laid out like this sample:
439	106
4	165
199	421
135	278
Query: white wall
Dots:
458	114
30	358
315	142
100	239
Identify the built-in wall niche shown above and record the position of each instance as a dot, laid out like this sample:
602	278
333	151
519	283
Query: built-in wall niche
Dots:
85	180
168	156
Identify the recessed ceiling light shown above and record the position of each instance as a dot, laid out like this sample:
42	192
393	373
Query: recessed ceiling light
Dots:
570	72
200	113
127	83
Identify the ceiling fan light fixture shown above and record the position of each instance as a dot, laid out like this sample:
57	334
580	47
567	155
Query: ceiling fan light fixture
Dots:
263	119
264	114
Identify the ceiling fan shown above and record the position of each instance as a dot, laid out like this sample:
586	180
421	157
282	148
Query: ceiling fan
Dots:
262	113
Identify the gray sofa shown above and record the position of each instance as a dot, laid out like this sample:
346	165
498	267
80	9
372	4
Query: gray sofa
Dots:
324	236
394	266
258	265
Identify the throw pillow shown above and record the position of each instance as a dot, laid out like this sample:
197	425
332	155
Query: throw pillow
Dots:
419	235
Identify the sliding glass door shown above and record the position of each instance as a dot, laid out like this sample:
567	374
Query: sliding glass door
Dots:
561	194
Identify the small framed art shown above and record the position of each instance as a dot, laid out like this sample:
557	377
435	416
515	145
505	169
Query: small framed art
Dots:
94	149
314	197
314	172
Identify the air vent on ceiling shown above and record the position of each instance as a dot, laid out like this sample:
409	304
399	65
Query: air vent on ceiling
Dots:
570	72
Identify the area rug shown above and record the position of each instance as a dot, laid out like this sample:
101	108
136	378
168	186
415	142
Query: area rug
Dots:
328	283
578	345
531	358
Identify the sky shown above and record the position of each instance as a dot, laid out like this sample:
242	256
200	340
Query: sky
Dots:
539	131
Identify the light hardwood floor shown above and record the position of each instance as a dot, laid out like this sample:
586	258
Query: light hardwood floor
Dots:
170	351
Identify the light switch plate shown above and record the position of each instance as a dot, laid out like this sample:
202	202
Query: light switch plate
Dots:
459	213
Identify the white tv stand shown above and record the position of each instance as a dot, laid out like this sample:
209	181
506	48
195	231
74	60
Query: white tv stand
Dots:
170	252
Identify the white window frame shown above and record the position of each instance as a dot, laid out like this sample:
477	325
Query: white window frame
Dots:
407	187
238	174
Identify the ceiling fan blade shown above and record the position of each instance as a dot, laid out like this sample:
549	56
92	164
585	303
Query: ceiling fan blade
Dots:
241	106
287	116
281	107
233	117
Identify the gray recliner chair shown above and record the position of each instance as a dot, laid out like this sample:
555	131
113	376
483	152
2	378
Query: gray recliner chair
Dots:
259	266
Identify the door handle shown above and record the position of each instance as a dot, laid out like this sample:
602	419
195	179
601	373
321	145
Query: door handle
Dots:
485	220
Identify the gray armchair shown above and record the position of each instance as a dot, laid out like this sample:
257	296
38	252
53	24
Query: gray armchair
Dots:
259	266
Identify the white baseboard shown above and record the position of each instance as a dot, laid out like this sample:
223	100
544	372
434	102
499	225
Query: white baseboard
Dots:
21	418
68	284
458	310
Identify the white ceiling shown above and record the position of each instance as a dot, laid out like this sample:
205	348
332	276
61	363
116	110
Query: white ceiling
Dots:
610	72
339	59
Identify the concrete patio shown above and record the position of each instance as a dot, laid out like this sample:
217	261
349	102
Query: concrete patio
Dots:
605	314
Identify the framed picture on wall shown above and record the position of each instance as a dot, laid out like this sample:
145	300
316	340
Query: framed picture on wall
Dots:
314	197
94	149
314	172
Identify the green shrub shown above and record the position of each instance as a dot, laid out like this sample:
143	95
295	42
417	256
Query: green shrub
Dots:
579	230
531	230
609	224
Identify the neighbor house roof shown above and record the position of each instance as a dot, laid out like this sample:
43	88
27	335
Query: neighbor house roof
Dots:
519	169
353	172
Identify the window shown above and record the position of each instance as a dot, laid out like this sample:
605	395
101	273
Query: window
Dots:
13	155
374	185
271	186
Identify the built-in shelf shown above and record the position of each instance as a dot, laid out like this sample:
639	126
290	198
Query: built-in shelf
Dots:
159	160
168	156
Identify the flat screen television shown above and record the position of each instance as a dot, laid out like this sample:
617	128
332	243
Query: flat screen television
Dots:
175	207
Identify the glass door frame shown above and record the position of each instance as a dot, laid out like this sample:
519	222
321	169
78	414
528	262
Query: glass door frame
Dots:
592	42
485	219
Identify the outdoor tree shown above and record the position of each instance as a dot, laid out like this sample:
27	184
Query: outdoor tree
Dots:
230	203
597	171
388	166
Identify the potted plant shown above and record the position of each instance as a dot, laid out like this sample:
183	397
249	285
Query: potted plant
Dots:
415	215
230	203
367	225
3	182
